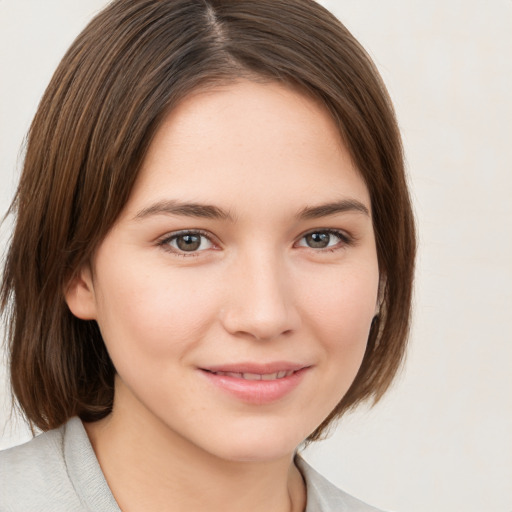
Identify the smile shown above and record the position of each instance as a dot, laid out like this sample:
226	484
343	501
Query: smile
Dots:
256	384
257	376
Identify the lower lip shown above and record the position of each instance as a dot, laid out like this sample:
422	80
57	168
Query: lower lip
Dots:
257	392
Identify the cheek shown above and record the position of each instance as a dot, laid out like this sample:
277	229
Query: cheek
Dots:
342	304
337	312
154	313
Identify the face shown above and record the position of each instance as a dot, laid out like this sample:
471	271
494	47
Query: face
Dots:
236	290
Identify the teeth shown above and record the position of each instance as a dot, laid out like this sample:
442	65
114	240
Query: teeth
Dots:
251	376
257	376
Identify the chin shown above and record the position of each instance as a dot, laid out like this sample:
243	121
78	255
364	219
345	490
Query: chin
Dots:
260	445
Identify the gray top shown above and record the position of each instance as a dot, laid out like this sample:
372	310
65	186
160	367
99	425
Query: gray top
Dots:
58	472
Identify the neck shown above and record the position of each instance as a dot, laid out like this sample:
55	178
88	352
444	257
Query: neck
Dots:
149	467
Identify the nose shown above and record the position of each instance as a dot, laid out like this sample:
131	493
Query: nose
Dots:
260	302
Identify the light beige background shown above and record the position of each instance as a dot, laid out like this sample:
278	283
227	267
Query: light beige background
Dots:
442	439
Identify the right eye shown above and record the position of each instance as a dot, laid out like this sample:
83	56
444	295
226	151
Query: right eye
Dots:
187	243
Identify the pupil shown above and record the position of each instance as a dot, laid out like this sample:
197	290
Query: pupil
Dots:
189	242
318	240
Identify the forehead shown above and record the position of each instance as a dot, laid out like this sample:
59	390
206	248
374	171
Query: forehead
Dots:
247	145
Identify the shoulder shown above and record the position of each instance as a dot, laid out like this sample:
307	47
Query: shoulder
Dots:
34	476
323	496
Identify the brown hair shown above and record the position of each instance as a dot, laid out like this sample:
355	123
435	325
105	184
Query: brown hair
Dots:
132	64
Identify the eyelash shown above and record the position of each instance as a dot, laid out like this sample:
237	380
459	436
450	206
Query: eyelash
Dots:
165	242
345	240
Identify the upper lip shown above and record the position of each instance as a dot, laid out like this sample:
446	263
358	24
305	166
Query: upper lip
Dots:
256	368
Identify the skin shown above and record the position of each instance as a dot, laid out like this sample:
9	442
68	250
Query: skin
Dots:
254	290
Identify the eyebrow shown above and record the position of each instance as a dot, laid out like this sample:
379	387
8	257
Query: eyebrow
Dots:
323	210
173	207
207	211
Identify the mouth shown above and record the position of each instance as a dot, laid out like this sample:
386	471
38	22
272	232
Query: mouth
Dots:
256	384
255	376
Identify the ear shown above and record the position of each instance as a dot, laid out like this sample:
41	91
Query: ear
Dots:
79	295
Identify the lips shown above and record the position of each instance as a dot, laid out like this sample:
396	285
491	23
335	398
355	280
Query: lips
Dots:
257	376
269	368
256	384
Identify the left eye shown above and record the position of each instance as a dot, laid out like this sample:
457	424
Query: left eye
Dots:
188	242
321	239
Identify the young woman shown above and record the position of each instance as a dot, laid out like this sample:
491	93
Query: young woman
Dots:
212	260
